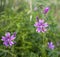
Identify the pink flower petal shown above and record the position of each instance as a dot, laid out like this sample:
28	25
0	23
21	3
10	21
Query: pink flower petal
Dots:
3	38
7	34
41	21
12	37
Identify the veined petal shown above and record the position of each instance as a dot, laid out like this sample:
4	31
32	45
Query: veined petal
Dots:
41	21
43	29
38	30
51	43
7	34
46	24
11	43
3	38
5	43
36	24
12	37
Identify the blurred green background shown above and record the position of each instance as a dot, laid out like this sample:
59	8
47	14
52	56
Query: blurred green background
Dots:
19	16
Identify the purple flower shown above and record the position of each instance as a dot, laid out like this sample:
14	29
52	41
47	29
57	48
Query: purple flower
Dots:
46	10
50	45
35	8
41	26
8	39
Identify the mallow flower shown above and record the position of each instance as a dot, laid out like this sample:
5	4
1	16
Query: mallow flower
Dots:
51	45
41	25
8	39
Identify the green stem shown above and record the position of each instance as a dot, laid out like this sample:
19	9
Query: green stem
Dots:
43	49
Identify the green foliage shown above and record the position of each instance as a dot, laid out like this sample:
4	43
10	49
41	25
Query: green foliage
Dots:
29	43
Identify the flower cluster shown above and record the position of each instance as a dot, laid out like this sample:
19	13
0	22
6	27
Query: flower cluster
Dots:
8	39
42	27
